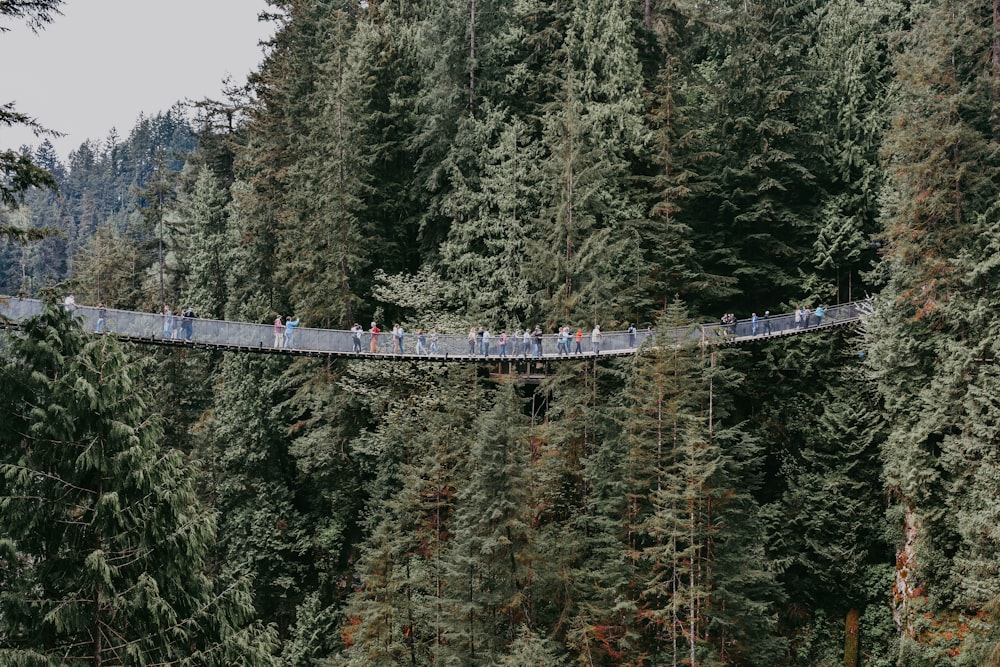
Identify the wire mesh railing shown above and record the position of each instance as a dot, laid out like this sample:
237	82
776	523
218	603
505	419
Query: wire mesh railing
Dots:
176	329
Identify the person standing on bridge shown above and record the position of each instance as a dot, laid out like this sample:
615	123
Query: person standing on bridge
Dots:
631	335
820	312
421	342
503	342
373	345
485	345
168	322
526	340
187	323
356	338
798	317
434	340
290	325
578	348
279	332
595	339
102	317
472	340
767	322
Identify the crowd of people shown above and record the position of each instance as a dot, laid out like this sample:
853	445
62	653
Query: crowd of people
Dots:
802	318
526	342
178	327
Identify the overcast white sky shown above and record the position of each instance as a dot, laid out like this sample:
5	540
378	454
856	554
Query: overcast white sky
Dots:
103	62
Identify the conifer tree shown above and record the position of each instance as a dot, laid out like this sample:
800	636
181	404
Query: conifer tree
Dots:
330	179
932	327
253	483
491	219
206	246
693	525
400	611
587	247
753	199
850	70
104	543
489	557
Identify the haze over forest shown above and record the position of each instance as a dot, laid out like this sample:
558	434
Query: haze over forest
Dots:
823	499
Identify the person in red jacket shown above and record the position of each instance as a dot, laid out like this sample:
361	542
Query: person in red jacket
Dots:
374	331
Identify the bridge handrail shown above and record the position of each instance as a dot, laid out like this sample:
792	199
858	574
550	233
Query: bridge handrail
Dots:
150	327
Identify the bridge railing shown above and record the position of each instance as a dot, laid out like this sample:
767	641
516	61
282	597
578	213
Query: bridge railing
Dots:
223	334
781	324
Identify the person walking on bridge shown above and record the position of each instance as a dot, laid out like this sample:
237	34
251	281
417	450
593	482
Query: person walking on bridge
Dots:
397	339
356	338
373	346
279	332
578	348
595	339
290	325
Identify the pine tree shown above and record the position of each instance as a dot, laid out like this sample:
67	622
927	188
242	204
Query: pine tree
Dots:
206	246
587	247
330	180
931	324
702	589
489	557
104	542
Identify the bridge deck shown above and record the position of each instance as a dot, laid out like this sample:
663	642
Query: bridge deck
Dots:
152	329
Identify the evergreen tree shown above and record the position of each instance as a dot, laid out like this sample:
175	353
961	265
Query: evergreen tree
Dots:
206	248
253	483
331	179
754	197
491	219
105	544
693	523
587	247
401	612
490	558
931	324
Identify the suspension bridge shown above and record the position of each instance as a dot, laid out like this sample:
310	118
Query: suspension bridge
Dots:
198	333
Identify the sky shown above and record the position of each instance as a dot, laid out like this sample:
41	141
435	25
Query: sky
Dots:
102	63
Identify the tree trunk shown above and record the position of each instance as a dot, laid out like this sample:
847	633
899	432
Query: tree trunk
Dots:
851	644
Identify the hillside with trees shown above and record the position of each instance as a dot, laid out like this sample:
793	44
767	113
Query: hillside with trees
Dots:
809	501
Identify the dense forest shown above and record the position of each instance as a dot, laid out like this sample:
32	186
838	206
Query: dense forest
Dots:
829	499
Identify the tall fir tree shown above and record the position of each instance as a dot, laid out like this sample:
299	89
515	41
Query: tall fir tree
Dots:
930	336
105	544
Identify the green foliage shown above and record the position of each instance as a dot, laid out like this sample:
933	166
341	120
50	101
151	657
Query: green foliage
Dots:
106	543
